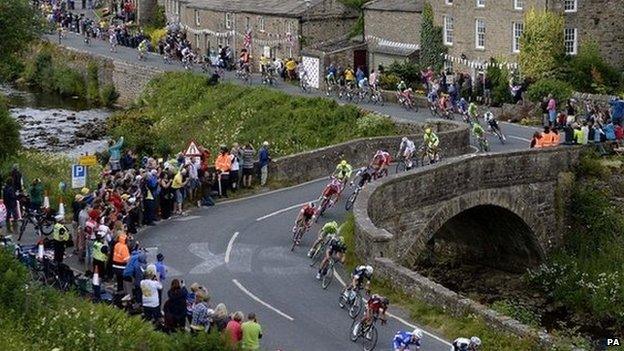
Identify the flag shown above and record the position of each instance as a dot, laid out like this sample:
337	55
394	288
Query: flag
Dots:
247	39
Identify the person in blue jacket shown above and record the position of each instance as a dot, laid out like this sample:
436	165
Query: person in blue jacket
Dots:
134	272
617	109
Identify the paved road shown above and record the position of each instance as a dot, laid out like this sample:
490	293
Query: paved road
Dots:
240	251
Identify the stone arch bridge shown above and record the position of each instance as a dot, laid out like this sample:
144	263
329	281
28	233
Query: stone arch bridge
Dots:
505	208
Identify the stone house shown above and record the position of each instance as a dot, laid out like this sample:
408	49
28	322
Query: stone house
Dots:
392	30
476	30
278	28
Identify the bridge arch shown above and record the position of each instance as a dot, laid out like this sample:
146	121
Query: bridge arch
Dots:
493	224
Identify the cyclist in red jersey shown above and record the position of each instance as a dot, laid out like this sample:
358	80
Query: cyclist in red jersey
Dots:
333	188
377	305
380	162
305	215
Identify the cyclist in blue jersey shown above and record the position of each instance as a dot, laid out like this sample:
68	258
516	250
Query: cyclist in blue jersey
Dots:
402	340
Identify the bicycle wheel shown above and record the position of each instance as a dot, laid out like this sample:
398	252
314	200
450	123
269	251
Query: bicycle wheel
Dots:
46	227
356	307
296	238
355	330
351	201
318	255
370	338
342	300
329	275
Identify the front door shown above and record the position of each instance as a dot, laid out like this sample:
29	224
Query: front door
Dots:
359	59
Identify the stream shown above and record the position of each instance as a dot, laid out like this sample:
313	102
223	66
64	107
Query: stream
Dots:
55	124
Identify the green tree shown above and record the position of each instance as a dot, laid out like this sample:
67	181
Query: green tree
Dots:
20	24
358	27
542	44
9	129
431	45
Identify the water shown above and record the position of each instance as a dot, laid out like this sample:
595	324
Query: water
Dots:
55	124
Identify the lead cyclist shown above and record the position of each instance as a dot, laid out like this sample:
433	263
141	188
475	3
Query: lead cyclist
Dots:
406	149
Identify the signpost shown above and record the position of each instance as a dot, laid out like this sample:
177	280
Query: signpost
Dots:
87	160
192	150
79	176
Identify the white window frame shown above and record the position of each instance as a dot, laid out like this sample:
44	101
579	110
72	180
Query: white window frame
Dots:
515	38
574	40
197	21
261	23
448	2
518	4
197	41
480	3
446	30
570	6
247	23
229	20
477	45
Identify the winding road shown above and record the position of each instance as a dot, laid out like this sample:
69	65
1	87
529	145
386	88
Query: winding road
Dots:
240	250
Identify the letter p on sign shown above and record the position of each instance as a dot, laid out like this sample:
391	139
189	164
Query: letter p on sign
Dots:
613	342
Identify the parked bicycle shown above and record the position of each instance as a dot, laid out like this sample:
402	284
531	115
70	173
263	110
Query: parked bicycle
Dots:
43	222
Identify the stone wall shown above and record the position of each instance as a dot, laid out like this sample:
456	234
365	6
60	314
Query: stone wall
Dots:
128	79
320	163
396	217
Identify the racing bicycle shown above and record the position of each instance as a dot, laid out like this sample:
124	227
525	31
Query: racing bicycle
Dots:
367	331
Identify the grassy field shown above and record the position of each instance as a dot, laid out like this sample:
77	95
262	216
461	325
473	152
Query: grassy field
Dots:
178	107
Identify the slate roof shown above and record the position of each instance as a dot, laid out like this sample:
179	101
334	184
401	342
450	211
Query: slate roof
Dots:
269	7
395	5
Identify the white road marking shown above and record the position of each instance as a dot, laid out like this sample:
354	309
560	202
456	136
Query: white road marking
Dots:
397	318
229	247
282	211
271	192
519	138
257	299
211	261
476	149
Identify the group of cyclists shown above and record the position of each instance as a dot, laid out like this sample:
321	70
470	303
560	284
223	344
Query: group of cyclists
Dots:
334	247
352	85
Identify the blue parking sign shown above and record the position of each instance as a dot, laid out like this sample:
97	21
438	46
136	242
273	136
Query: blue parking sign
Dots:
79	176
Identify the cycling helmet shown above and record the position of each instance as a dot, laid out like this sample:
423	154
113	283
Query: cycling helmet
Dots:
311	204
379	152
475	341
402	82
488	114
428	131
404	139
369	269
417	333
343	163
462	100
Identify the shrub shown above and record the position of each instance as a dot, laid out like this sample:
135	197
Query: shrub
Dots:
389	81
560	90
588	72
407	71
68	82
9	130
375	125
156	35
93	83
518	311
499	77
108	95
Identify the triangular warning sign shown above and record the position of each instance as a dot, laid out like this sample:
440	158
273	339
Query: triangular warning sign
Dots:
192	150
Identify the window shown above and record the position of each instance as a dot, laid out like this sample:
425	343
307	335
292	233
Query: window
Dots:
228	20
197	41
449	2
247	23
480	3
569	40
176	5
480	33
516	32
261	23
569	5
518	4
448	30
197	23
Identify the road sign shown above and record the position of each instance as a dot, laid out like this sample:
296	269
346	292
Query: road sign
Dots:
88	160
79	176
192	150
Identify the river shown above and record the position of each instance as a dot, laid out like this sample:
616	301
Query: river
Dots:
55	124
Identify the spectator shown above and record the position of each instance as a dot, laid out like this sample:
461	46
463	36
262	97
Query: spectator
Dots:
291	69
36	194
133	274
609	131
544	108
16	176
190	300
617	109
233	329
220	318
223	165
60	237
236	155
252	333
585	135
10	202
263	160
177	186
161	271
149	298
2	216
248	164
166	195
201	312
552	110
536	141
114	150
121	256
175	307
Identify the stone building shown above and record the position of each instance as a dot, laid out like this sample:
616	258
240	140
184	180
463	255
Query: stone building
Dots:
392	30
476	30
278	28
